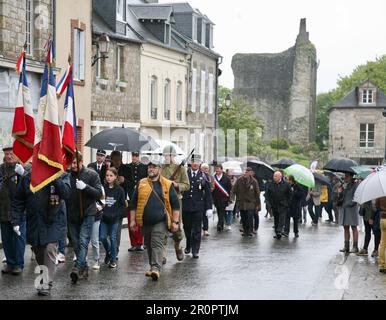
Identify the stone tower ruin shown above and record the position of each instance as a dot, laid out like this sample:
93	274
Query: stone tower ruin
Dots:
282	87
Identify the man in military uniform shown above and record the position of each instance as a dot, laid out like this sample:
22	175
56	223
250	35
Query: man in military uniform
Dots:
195	203
137	171
13	239
176	173
100	166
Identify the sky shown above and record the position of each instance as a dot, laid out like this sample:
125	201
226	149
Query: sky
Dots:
346	33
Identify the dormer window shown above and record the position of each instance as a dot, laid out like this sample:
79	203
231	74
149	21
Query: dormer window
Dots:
203	32
120	8
167	34
367	96
194	28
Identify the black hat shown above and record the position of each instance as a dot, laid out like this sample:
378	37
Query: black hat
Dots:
196	157
135	153
7	148
101	152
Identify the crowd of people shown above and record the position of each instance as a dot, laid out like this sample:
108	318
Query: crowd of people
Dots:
88	204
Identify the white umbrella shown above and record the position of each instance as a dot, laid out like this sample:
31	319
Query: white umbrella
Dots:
234	166
373	187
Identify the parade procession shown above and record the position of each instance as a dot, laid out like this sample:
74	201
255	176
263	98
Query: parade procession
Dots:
128	172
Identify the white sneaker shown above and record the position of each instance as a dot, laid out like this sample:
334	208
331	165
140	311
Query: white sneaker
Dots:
74	259
61	258
96	265
4	260
229	228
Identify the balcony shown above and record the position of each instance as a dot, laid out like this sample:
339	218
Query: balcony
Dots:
167	115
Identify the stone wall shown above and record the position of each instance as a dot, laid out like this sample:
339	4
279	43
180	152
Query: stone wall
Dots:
13	27
282	87
113	100
344	127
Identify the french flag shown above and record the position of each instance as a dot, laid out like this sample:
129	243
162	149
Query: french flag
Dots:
23	129
64	81
47	162
69	127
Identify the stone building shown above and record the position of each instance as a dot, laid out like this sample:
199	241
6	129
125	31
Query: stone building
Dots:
21	21
73	36
357	127
197	30
116	78
282	87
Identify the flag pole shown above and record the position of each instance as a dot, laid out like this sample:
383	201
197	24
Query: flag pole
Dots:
76	144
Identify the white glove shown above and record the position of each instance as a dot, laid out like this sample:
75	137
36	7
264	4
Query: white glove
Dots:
80	184
19	169
209	213
17	230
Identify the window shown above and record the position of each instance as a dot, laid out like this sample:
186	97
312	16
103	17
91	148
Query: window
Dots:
118	63
98	65
79	54
179	101
153	97
366	135
120	8
211	94
202	92
203	33
194	28
29	25
167	33
194	89
167	100
367	96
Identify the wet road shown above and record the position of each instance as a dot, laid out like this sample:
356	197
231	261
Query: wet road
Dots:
229	267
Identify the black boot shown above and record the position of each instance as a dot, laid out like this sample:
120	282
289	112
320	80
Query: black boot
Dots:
346	248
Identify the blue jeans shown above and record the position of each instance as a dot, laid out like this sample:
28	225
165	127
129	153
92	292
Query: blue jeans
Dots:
95	240
81	235
13	245
109	230
228	217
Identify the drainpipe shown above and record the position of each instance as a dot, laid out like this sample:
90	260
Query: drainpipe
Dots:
218	62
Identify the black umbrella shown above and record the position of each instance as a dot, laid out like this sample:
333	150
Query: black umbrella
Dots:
321	179
332	174
340	165
262	170
121	139
283	163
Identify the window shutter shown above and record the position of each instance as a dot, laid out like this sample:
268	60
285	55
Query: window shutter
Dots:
210	97
82	54
202	93
76	54
194	90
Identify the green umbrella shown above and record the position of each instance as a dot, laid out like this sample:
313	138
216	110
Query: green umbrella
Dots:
362	171
301	174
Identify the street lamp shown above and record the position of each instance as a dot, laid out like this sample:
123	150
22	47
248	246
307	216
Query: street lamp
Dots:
228	101
103	47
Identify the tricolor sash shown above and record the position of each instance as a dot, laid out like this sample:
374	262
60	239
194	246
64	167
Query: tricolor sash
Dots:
220	187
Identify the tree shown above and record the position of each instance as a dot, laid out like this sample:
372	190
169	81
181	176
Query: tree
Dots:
239	116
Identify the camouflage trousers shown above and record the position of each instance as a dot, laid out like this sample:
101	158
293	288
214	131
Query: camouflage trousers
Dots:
176	236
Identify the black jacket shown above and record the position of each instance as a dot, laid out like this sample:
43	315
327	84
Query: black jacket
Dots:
101	172
136	172
279	195
298	193
219	198
9	182
46	219
90	195
114	208
198	197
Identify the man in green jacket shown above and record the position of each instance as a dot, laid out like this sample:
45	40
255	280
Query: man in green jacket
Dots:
179	176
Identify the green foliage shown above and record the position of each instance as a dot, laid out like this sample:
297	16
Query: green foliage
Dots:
222	93
279	144
297	149
375	71
240	116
